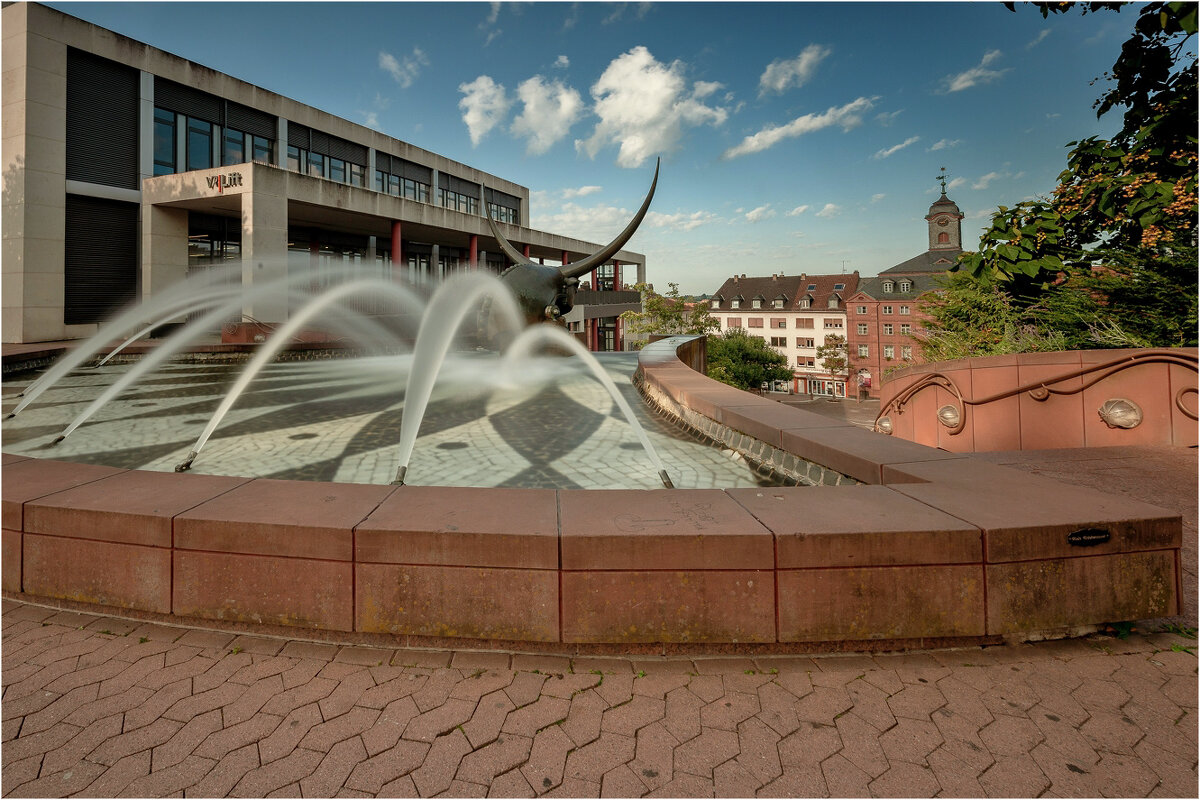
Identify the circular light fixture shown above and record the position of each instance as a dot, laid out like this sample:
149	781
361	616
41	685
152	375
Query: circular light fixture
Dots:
884	425
1120	413
949	416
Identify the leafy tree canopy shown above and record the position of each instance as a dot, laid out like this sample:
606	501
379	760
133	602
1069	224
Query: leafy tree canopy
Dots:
745	361
668	314
1131	196
832	354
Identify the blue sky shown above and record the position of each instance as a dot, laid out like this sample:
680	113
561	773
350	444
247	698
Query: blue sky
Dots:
795	137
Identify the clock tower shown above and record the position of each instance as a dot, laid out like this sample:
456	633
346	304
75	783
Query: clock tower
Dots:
945	222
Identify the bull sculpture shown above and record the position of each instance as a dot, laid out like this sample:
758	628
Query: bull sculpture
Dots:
546	293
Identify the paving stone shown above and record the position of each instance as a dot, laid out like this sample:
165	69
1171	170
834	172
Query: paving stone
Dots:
16	773
61	784
916	701
1066	775
436	774
584	717
490	712
656	684
777	708
507	752
202	702
437	688
325	735
180	746
1120	775
628	718
286	701
83	743
371	775
331	773
654	756
685	785
1010	736
797	782
226	773
910	741
439	720
220	671
532	718
166	781
260	781
591	761
906	780
346	695
58	709
288	733
823	705
511	784
40	743
1014	776
145	738
698	756
682	716
809	745
390	725
569	685
157	704
843	778
543	770
1111	732
474	686
861	746
727	711
620	781
251	701
260	669
956	778
238	735
464	789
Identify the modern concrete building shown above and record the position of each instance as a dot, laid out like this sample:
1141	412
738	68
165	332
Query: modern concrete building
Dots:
126	168
794	314
885	313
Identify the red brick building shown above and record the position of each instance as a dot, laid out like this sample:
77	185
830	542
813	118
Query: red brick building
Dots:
885	312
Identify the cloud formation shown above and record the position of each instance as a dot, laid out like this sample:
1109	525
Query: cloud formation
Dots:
848	116
562	62
550	109
760	213
797	211
985	180
783	74
887	151
404	71
484	106
975	75
944	144
644	106
582	191
680	221
829	211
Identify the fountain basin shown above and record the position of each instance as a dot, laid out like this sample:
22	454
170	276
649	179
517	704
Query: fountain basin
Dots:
926	548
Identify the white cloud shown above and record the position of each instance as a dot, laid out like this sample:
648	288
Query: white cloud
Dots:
550	111
985	180
784	74
797	211
582	191
888	117
955	183
681	221
887	151
943	144
484	106
848	116
404	71
1038	39
975	75
875	198
643	106
371	119
760	213
830	210
562	62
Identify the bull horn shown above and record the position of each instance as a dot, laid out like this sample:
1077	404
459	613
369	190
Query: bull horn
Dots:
585	265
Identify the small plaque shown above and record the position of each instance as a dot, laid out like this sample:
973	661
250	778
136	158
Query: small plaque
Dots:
1088	537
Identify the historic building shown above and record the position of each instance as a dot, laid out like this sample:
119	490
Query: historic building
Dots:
885	312
126	168
794	314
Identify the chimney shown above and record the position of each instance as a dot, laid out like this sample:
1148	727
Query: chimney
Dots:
774	277
735	278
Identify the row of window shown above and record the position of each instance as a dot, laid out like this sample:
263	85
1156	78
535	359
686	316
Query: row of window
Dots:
885	309
905	286
781	322
888	329
205	145
889	351
758	303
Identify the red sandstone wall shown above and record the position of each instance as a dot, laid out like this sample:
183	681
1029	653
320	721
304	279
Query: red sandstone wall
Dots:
1161	382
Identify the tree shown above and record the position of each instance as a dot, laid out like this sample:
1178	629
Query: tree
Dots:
1132	195
1108	259
832	354
668	315
745	361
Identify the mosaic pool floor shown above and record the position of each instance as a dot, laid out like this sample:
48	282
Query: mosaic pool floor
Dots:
339	420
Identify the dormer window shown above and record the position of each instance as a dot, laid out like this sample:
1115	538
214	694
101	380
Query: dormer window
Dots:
716	304
756	302
888	286
833	301
735	302
812	287
779	301
905	286
805	303
837	287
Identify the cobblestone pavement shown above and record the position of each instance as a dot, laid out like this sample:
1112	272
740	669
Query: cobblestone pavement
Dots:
103	706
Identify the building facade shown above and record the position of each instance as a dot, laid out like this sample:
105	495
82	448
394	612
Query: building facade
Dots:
885	314
795	315
126	168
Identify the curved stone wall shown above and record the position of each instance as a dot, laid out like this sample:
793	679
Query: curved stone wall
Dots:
1037	401
927	548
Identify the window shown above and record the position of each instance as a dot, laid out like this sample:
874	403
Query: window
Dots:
735	303
887	309
943	238
337	170
358	175
905	286
800	342
458	201
864	351
833	323
502	213
805	361
888	329
862	329
862	309
779	302
804	322
905	329
296	158
233	147
805	303
164	142
888	286
414	190
778	322
316	165
756	302
812	287
755	322
889	351
906	352
833	302
837	287
716	303
733	322
904	310
263	149
199	144
778	341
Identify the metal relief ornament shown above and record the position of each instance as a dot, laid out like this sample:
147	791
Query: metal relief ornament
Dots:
1120	413
950	416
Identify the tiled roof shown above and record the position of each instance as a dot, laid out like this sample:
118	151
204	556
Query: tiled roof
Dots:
791	288
931	261
873	287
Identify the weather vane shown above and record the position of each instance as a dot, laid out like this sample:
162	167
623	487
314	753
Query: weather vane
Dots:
942	180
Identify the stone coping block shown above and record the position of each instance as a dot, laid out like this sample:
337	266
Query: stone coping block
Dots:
1027	517
857	452
33	478
10	560
462	527
104	573
299	519
770	422
130	507
662	529
858	526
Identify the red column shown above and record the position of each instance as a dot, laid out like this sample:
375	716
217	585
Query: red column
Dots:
593	334
617	337
617	276
397	250
474	251
525	251
566	258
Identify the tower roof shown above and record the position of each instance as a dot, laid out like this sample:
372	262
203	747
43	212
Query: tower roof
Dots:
944	205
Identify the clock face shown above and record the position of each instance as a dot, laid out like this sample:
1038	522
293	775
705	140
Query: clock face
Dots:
943	221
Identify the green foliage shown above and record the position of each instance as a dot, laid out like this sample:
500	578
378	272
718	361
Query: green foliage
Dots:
745	361
1132	196
668	314
832	354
